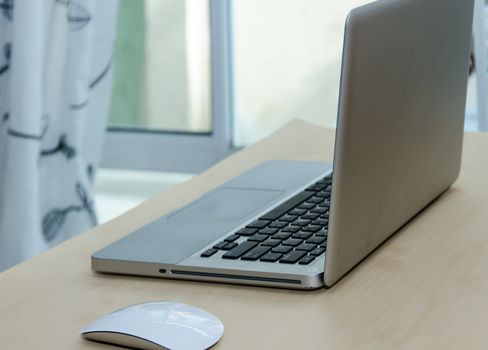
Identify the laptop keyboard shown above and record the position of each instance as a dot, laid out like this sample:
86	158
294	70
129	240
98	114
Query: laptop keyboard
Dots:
293	232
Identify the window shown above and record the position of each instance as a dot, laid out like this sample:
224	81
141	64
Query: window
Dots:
173	89
196	79
287	62
163	66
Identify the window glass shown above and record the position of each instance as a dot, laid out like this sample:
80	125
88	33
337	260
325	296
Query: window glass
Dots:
162	66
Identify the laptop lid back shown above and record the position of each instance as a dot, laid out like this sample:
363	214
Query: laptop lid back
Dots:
400	121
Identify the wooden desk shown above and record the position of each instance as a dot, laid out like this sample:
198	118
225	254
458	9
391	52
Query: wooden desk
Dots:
427	288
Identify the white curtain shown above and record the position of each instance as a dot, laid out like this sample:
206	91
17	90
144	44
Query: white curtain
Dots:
55	84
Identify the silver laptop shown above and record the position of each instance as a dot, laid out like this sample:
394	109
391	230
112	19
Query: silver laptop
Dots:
398	147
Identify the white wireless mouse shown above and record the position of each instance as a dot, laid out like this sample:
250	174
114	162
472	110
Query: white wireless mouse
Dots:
157	326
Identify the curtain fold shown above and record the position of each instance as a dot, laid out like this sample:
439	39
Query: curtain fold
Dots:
55	87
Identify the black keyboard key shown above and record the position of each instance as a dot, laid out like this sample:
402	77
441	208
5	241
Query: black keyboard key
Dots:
247	231
318	251
292	242
324	204
287	206
281	235
271	257
293	257
312	228
282	249
306	247
220	245
278	224
240	250
302	235
289	218
328	179
268	231
310	216
306	260
322	194
319	210
316	239
255	253
321	222
315	200
301	223
258	224
232	238
291	229
271	242
208	253
323	244
258	238
322	233
306	206
229	246
297	211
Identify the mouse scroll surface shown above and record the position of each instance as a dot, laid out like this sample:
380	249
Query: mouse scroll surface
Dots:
157	325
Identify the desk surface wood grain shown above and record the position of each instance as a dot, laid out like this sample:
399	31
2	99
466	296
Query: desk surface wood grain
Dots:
426	288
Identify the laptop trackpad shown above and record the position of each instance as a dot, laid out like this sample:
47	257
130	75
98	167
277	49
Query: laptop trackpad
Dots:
206	220
227	204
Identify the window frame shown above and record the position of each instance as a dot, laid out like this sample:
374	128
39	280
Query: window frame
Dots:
186	152
479	45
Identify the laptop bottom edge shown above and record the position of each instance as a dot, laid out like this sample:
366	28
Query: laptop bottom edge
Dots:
192	273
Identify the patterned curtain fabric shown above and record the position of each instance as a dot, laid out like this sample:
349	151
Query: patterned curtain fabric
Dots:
55	86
